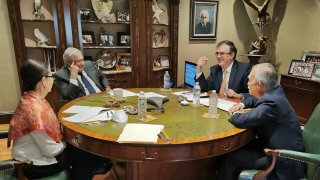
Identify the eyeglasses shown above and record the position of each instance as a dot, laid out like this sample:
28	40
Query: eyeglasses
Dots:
221	53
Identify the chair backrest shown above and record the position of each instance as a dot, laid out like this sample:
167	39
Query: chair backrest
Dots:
311	138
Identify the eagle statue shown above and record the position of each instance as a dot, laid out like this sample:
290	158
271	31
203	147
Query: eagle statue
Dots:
42	39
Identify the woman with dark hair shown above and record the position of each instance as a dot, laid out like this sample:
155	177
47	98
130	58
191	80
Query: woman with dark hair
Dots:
34	128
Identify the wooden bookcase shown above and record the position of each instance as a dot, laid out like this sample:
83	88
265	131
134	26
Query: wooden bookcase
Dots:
66	27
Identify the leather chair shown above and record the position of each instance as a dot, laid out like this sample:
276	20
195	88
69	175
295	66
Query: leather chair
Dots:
311	156
13	169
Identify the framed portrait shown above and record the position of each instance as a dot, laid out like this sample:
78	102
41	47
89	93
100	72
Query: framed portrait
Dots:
124	39
160	38
85	14
107	40
88	38
302	69
203	20
164	60
123	16
293	62
311	57
316	73
123	60
156	61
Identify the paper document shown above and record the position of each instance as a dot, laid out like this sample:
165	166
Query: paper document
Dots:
223	104
140	133
152	94
83	113
126	93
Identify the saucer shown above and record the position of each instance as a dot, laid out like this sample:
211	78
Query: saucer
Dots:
184	103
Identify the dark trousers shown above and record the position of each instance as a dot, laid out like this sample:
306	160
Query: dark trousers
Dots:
36	172
250	156
84	165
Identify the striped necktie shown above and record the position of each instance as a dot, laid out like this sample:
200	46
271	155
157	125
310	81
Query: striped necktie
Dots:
87	84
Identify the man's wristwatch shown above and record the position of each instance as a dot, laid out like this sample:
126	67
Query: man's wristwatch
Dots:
241	97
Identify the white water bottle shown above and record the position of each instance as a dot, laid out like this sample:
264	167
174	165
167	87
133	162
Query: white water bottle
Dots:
213	104
166	80
196	95
142	106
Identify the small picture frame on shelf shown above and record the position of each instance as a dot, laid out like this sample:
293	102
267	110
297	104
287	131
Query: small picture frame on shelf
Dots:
160	39
164	60
123	61
316	72
124	39
292	64
311	56
302	69
123	16
156	62
88	38
85	14
107	40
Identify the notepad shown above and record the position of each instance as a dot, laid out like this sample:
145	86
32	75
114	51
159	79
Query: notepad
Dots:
140	133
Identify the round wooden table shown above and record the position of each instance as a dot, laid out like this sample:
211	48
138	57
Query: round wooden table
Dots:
193	139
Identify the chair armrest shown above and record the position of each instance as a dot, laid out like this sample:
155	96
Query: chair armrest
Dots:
300	156
4	134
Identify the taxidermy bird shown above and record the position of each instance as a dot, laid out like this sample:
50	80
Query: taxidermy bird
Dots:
262	12
42	40
156	11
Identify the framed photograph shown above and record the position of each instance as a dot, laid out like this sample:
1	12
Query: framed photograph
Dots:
85	14
107	40
293	62
160	38
123	16
160	12
156	61
124	60
88	38
311	57
203	19
124	39
316	73
302	69
164	60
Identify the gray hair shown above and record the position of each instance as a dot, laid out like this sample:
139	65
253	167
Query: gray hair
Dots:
267	74
69	53
204	12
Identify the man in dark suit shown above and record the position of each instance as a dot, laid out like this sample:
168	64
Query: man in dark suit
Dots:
275	124
204	26
78	77
229	77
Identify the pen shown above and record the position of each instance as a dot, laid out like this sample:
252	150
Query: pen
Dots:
165	136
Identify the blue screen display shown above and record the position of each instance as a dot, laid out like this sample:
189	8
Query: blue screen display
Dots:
189	73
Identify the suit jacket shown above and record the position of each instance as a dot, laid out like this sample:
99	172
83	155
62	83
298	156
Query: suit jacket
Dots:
237	81
199	29
70	91
277	127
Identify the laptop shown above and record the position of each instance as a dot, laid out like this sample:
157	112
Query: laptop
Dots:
190	70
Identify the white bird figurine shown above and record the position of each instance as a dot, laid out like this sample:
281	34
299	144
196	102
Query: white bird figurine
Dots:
42	40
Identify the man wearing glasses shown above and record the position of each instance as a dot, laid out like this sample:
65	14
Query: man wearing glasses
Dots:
229	77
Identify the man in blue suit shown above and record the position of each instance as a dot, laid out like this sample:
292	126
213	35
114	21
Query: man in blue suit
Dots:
276	126
229	77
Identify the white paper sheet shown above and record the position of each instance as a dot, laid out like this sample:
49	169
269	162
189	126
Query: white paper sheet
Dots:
126	93
140	133
223	104
152	94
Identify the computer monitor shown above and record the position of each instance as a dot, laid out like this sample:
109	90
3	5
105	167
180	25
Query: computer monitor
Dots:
190	70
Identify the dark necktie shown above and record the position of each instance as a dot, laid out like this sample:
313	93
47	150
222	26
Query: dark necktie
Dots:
87	84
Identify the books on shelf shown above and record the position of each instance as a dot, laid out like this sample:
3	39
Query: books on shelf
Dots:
140	133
